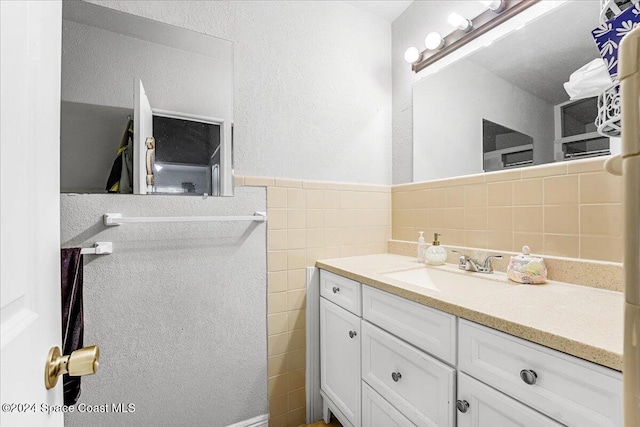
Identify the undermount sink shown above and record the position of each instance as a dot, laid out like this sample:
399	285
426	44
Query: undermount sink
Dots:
448	282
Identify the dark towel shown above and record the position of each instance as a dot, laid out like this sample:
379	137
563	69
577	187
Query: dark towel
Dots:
121	176
72	316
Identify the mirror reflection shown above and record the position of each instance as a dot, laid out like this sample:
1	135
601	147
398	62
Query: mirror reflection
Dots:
147	108
504	105
504	147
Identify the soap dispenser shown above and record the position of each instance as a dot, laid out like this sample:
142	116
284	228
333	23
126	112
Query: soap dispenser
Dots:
422	247
436	254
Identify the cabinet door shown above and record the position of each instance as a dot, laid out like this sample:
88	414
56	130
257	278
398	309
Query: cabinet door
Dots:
481	406
340	359
143	124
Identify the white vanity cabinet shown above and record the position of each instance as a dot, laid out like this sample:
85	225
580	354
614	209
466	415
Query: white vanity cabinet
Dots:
340	358
402	363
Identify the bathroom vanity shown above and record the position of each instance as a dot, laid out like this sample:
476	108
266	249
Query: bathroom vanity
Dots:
402	345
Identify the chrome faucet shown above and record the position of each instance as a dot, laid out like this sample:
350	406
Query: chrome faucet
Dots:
465	262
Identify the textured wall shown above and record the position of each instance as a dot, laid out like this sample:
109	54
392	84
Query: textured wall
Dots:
178	310
312	83
89	140
410	29
99	67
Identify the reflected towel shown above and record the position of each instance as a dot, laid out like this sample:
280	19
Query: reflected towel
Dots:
72	316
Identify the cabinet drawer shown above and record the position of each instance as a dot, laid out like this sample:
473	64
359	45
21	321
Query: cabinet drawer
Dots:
340	359
377	412
418	385
430	330
568	389
342	291
490	408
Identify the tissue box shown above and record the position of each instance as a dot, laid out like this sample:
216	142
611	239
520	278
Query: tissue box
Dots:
608	35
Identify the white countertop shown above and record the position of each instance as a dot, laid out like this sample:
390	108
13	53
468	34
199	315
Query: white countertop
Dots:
582	321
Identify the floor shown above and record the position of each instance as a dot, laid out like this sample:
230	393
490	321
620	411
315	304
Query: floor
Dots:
334	423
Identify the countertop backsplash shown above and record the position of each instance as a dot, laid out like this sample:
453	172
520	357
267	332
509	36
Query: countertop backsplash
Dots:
592	273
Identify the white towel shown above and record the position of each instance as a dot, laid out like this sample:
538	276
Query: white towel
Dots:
589	80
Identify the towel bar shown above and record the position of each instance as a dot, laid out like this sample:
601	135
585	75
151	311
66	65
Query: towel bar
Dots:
99	248
111	219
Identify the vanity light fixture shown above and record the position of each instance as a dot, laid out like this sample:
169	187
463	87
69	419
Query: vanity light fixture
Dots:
496	6
412	55
497	12
460	22
434	41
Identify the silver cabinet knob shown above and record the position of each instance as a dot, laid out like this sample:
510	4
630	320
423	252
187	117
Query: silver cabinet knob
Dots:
336	289
396	376
528	376
462	406
352	334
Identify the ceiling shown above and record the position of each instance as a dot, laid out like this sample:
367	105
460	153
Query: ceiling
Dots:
388	10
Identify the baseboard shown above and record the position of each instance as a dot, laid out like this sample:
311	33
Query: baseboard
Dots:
314	400
259	421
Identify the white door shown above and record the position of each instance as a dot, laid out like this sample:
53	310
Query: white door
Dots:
142	129
340	359
482	406
30	42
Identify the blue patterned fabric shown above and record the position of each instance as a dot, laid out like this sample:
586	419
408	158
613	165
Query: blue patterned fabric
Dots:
608	35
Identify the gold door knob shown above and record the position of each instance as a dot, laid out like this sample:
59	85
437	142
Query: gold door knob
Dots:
81	362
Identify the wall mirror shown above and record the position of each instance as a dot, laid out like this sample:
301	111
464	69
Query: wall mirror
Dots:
147	108
499	103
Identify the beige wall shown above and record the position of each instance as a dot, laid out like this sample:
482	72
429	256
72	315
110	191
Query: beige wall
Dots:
570	209
307	221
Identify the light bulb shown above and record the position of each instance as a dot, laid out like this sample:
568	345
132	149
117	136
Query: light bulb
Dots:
433	41
460	22
495	5
412	55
